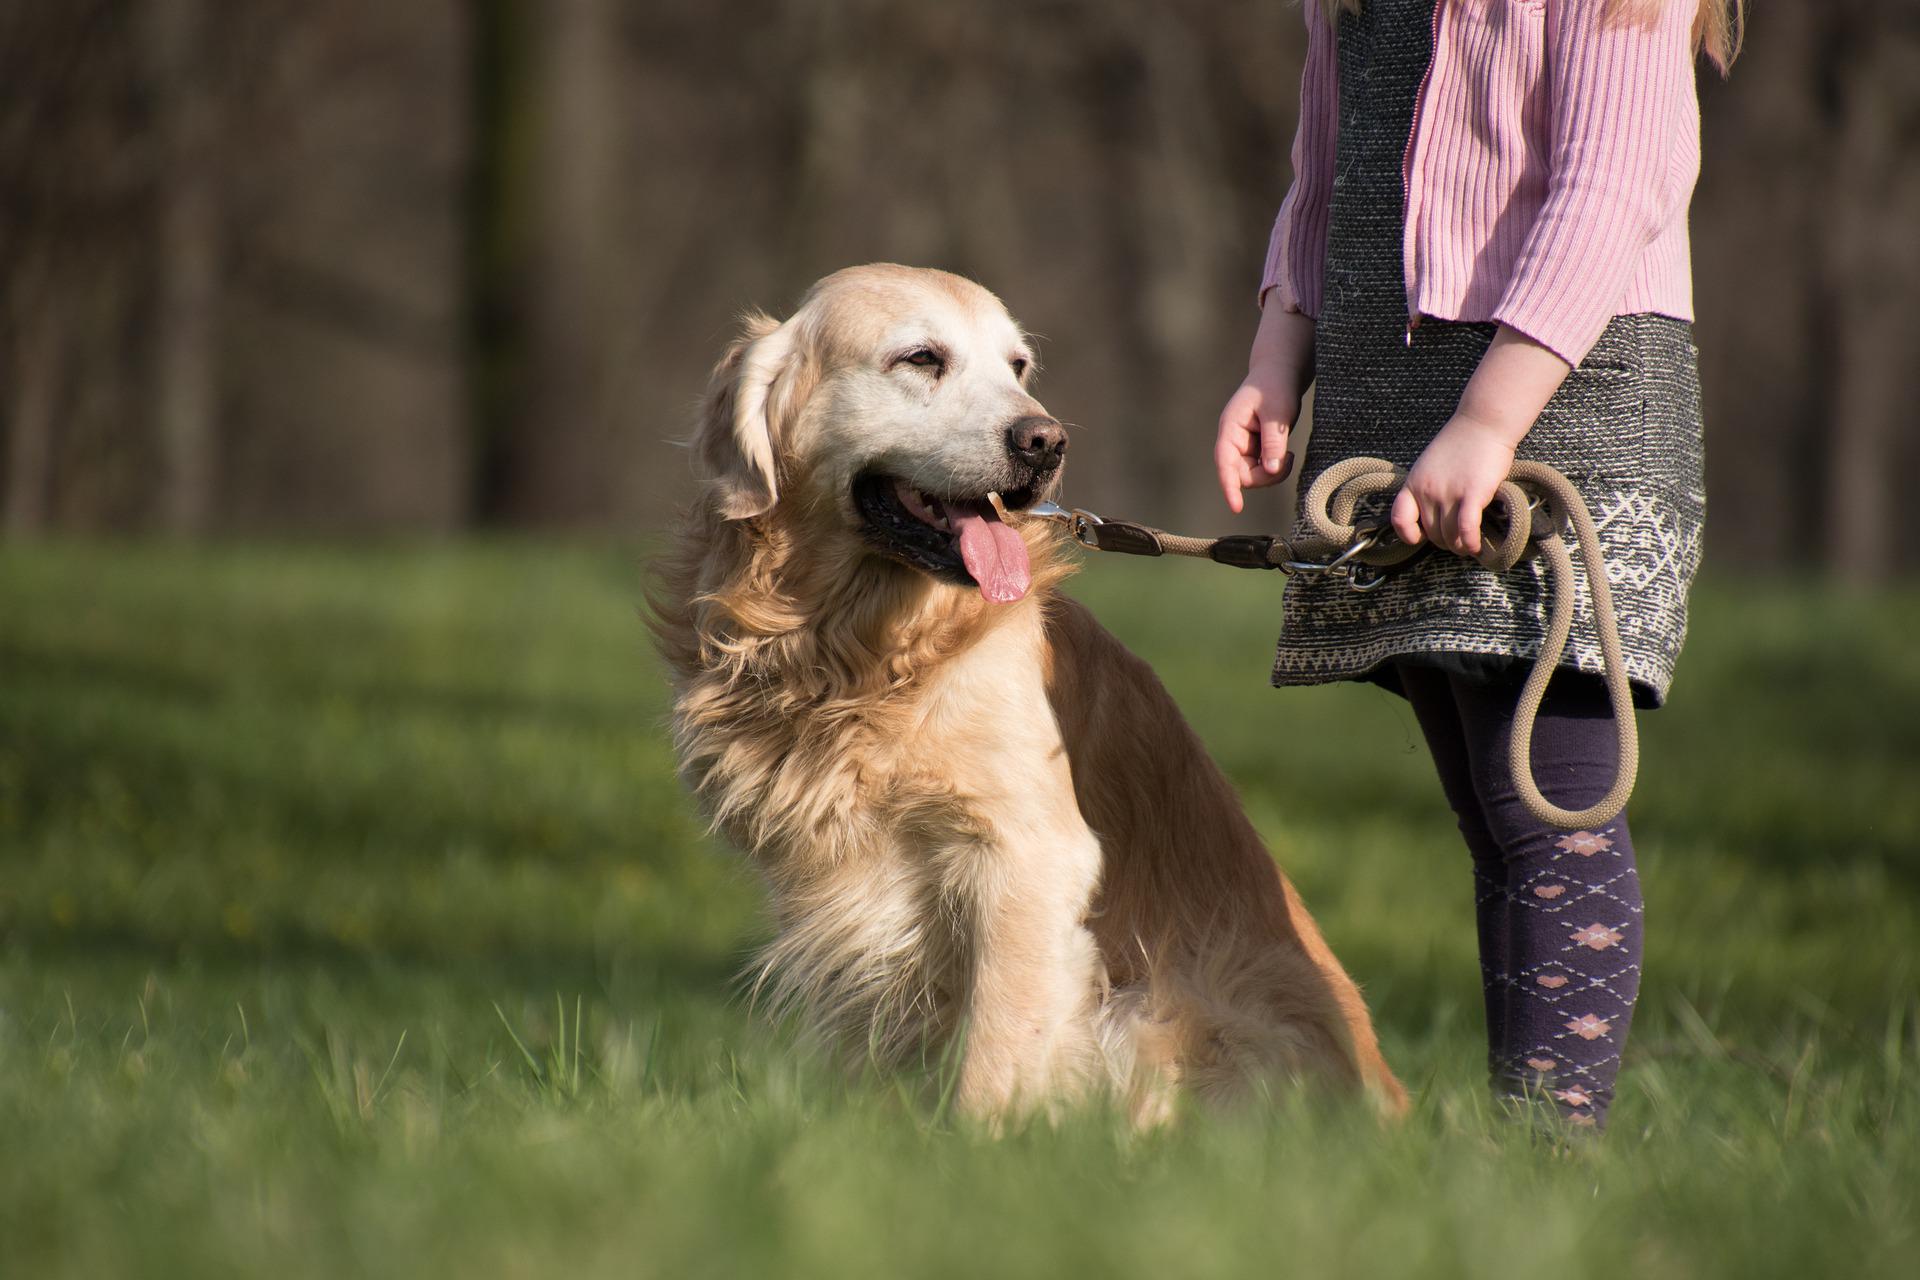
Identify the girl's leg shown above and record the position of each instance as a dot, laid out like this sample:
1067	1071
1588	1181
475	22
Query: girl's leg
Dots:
1573	945
1430	693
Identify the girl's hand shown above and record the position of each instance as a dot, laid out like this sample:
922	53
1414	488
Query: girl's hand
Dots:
1451	485
1250	451
1455	478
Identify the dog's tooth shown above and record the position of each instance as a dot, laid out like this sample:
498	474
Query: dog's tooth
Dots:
999	507
922	505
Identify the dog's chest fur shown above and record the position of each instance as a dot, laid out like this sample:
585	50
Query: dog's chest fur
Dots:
885	832
944	761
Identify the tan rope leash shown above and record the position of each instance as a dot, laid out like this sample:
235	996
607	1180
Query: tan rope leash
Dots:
1334	544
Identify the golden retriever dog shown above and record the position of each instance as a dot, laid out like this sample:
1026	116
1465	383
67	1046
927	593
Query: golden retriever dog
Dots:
984	824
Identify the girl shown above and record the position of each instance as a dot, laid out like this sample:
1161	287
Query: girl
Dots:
1483	256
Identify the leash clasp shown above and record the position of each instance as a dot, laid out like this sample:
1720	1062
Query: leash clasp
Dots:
1080	523
1359	575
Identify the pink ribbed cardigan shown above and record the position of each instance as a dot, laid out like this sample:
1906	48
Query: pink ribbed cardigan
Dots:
1547	177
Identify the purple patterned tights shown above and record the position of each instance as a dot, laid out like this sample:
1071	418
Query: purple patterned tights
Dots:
1559	913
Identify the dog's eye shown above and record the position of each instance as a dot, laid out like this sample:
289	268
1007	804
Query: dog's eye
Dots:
925	358
1019	366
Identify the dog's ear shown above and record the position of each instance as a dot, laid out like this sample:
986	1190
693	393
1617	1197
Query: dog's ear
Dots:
733	450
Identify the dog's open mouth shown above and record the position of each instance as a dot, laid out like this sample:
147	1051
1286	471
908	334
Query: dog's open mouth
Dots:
961	540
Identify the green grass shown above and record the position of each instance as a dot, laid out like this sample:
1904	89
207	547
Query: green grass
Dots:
352	922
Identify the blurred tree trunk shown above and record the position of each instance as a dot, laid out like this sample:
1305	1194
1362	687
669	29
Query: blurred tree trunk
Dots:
186	263
34	362
557	457
491	230
1185	248
1761	337
1873	283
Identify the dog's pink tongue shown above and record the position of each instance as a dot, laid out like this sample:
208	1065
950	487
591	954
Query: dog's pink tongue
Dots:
996	556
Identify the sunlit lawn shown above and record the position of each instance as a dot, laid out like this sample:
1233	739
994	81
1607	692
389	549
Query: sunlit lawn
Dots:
352	922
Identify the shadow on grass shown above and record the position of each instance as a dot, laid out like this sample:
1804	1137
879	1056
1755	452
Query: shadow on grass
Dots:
189	780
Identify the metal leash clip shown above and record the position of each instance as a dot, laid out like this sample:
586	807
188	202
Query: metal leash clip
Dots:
1360	577
1366	577
1079	523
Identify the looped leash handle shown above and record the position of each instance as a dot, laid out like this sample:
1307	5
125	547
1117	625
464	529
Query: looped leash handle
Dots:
1520	524
1565	507
1512	530
1326	513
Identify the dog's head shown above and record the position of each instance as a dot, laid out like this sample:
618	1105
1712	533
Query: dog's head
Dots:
888	413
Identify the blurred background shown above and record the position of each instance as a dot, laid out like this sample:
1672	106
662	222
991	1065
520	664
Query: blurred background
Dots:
377	268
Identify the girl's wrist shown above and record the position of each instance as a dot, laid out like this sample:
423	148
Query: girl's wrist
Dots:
1283	347
1490	425
1513	382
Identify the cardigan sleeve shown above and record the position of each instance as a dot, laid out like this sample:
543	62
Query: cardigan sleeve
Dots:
1297	249
1615	93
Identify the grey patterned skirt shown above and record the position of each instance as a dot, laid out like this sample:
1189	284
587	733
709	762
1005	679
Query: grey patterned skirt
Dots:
1624	428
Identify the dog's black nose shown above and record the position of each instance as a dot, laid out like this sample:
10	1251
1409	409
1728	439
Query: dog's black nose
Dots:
1038	442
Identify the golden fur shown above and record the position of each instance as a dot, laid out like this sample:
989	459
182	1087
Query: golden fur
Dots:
983	825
